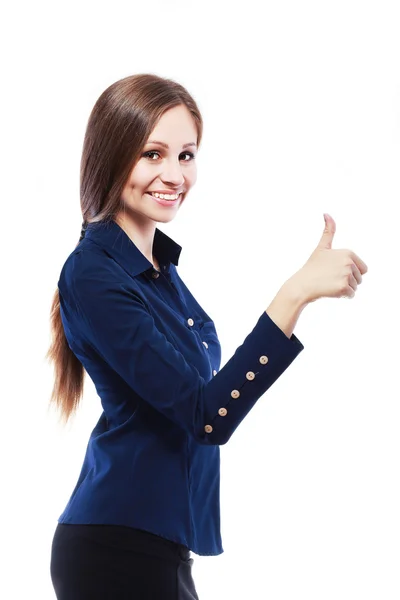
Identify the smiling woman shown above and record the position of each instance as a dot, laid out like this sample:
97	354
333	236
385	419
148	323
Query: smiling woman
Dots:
148	492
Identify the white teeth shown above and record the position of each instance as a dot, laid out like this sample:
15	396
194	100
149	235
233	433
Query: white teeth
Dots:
165	196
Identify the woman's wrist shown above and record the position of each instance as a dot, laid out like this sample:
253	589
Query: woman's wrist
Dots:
287	306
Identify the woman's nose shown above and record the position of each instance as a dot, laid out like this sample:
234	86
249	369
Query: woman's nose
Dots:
172	173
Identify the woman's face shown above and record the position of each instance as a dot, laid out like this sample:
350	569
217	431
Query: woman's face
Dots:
171	169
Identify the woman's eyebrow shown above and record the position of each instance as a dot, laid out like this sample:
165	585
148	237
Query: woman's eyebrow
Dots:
166	145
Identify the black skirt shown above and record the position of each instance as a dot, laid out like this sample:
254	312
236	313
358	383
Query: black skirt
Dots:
114	562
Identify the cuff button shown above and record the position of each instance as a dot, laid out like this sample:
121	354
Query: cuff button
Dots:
191	322
208	429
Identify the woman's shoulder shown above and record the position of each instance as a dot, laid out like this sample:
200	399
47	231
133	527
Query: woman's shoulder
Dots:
89	258
88	265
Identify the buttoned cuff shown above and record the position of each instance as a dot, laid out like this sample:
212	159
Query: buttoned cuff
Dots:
264	355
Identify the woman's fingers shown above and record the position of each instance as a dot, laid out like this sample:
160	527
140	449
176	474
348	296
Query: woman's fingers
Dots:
362	267
353	282
356	273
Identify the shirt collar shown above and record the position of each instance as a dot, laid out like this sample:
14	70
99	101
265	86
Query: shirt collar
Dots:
110	236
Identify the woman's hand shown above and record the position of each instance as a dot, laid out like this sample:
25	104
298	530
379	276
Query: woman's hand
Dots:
329	273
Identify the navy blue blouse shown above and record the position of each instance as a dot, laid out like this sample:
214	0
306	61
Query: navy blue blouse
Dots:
153	459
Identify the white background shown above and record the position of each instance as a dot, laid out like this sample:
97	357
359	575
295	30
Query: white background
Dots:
300	102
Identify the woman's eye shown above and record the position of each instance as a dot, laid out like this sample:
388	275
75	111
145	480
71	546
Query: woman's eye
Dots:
190	154
150	152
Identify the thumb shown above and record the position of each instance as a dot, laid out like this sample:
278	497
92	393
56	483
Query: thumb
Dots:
329	232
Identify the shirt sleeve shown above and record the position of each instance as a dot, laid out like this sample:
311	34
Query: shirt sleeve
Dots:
114	319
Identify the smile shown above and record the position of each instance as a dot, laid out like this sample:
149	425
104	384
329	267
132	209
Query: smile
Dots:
165	196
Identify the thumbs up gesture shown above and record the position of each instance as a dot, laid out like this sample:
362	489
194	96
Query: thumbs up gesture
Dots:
330	273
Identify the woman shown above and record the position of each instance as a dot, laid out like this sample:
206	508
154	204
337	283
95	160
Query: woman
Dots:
148	491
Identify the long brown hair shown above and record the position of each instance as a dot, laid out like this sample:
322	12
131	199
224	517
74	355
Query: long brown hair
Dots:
118	128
